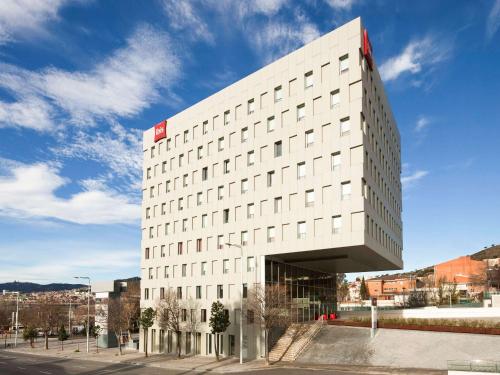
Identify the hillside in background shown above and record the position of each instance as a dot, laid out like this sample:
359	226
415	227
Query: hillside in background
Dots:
24	287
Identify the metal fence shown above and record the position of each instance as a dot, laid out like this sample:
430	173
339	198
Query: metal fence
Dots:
475	366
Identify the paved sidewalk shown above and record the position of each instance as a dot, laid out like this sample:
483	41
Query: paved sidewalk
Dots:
191	363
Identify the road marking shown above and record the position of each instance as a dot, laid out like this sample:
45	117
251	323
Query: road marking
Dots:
45	372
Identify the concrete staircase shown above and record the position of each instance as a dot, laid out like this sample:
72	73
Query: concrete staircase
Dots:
294	341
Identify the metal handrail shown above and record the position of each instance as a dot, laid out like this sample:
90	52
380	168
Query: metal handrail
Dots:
474	366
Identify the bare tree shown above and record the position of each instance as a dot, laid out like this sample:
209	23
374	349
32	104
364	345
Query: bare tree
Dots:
270	308
169	311
342	287
193	324
49	317
130	305
117	320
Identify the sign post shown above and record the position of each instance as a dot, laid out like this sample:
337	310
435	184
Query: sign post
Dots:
374	317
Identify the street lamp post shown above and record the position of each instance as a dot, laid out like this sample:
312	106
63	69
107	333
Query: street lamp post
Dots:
241	299
17	314
88	308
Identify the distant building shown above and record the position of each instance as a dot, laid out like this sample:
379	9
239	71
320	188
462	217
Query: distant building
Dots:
388	287
104	292
467	274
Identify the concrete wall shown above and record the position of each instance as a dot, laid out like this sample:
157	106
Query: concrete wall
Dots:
398	348
433	313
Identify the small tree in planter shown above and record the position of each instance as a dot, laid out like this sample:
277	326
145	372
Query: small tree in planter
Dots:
219	321
146	321
30	333
62	335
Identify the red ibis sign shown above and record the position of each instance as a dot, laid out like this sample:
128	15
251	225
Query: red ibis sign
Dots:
160	130
367	50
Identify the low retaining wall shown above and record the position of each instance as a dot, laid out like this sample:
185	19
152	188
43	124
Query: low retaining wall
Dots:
487	313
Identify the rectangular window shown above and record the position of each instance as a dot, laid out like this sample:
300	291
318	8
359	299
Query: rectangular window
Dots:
250	264
225	266
226	166
220	291
179	248
344	64
199	198
244	135
336	160
204	219
227	118
225	216
278	149
220	193
301	170
179	292
308	79
244	186
250	210
251	106
186	136
250	158
184	270
335	98
278	201
345	126
309	198
309	138
244	238
220	242
271	124
278	94
203	317
301	112
346	190
200	152
301	229
336	224
198	292
203	269
221	143
271	234
180	204
204	174
245	290
198	245
270	178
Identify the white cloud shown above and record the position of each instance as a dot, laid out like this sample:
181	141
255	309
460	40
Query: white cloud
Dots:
413	178
30	112
29	192
417	55
422	124
242	10
120	150
183	15
493	21
276	39
341	4
122	85
19	18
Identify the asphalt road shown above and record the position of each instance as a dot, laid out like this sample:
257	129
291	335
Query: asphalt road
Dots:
16	363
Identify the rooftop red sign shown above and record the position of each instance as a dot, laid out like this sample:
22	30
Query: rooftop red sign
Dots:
160	130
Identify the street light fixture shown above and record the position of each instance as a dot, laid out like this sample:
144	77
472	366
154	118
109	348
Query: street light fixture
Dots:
241	298
88	308
17	313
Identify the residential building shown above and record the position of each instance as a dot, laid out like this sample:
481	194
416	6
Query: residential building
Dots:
293	174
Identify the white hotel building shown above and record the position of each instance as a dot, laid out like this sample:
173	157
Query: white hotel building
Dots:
297	165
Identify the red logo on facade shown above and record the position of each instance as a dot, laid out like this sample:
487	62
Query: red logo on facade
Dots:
367	50
160	130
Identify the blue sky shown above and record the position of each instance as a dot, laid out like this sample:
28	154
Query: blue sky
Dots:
81	80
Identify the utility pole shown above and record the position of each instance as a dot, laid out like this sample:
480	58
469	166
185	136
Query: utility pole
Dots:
17	314
69	317
88	308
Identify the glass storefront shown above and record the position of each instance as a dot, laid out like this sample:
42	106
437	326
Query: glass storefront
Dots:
309	293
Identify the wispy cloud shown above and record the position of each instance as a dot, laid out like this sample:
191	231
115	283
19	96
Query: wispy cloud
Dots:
422	53
122	85
21	18
277	38
30	112
412	179
341	4
119	149
30	192
183	15
422	124
493	21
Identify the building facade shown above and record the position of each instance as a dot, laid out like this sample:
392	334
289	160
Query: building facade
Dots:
289	175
